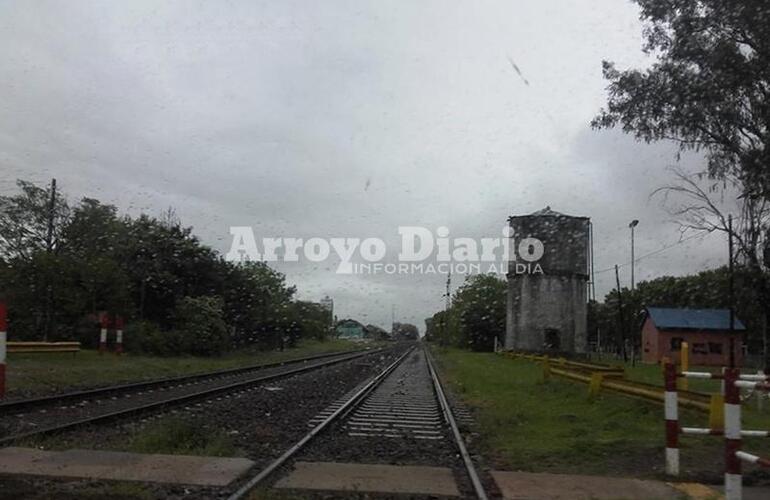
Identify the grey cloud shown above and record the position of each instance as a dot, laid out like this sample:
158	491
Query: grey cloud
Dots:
342	118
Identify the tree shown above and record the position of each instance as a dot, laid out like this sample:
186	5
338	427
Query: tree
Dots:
405	331
706	289
708	90
257	304
312	318
480	307
24	222
697	207
201	325
476	316
31	224
374	332
152	271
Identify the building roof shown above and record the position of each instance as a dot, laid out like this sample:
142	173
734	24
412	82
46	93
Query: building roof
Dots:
692	319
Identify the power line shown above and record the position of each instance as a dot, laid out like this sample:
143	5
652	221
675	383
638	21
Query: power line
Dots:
654	252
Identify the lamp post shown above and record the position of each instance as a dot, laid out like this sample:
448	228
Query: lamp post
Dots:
632	225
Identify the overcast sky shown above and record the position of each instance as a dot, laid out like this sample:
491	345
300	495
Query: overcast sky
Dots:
340	119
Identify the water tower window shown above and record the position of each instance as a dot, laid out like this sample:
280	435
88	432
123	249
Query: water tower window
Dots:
552	339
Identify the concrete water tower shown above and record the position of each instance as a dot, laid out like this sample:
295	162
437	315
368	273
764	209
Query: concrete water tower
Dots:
547	305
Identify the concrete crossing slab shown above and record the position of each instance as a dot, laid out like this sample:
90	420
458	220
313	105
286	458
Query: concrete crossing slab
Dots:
123	466
530	485
371	478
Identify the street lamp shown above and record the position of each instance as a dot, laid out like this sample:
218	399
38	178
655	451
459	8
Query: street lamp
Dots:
632	225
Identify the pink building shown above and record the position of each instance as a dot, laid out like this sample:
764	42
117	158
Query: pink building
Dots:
707	331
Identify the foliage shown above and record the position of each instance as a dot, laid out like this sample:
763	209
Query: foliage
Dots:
374	332
256	303
707	289
24	221
707	90
313	319
202	327
405	331
476	317
147	337
149	270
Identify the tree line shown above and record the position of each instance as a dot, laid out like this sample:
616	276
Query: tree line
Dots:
476	315
477	312
615	324
62	264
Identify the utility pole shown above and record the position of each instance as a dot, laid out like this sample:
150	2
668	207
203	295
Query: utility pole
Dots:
448	303
621	325
51	214
632	225
393	320
732	290
49	249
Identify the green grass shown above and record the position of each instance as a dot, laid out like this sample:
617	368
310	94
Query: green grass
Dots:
532	425
177	436
653	374
45	373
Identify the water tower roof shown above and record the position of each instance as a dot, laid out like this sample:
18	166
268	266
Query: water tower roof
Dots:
548	212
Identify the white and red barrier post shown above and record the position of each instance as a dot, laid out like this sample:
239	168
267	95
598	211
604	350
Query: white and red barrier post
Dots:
3	348
118	335
672	420
733	482
105	324
732	383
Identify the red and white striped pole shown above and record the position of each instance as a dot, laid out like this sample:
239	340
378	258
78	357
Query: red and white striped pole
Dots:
118	335
105	324
3	349
671	413
733	481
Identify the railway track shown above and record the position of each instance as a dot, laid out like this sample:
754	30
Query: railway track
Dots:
24	419
399	416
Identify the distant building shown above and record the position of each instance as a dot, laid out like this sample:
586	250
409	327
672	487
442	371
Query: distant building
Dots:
547	305
707	331
350	329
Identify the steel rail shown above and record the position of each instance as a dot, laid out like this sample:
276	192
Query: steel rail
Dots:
5	441
354	400
470	468
17	405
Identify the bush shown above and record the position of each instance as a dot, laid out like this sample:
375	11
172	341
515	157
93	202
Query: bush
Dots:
200	330
147	337
201	325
